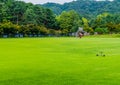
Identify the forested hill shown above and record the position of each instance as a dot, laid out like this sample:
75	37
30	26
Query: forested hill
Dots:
87	8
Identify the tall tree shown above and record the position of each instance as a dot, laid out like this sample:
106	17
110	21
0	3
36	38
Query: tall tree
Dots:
30	16
69	20
86	26
49	19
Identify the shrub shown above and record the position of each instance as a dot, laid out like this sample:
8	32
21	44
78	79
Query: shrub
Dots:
101	30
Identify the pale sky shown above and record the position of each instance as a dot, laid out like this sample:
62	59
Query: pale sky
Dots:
45	1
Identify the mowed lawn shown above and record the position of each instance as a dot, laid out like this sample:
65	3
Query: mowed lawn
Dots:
59	61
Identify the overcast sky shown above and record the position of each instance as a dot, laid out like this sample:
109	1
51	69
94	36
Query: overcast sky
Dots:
45	1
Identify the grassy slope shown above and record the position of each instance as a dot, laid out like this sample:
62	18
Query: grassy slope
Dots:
59	61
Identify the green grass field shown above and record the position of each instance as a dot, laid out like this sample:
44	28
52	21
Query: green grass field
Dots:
59	61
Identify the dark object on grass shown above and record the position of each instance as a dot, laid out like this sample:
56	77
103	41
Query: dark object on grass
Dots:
104	55
100	54
97	55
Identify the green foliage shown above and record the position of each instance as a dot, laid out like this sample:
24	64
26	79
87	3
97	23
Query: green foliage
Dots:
86	26
30	17
118	28
27	18
21	13
101	30
43	30
69	21
11	29
8	28
106	20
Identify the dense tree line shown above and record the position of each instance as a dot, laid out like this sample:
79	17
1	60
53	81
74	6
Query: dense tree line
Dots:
102	23
21	13
97	16
18	18
26	18
110	23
